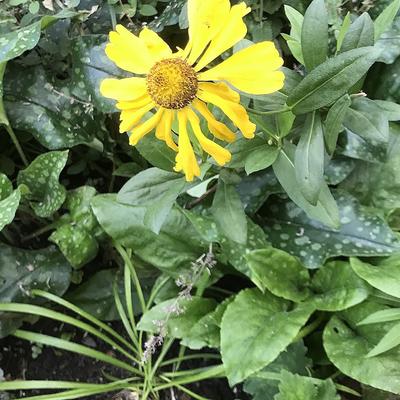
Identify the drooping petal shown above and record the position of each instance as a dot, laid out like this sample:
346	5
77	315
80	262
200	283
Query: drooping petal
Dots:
217	152
234	111
233	30
217	128
220	89
128	51
251	70
155	45
205	20
141	130
123	89
130	118
137	103
164	131
185	159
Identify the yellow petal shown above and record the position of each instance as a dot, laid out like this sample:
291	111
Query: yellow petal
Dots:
155	45
185	159
147	126
251	70
164	131
138	103
236	112
233	31
128	51
206	17
123	89
218	153
220	89
129	118
217	128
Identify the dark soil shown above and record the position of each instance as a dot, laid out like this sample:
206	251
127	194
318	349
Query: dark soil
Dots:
19	360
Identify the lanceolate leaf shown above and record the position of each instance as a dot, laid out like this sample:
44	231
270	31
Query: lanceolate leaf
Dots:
385	19
309	159
331	80
360	33
314	34
256	327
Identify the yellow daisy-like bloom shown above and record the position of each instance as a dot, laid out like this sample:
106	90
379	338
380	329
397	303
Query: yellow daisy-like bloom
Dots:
178	85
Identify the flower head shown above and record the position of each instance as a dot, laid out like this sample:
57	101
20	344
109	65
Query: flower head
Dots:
178	86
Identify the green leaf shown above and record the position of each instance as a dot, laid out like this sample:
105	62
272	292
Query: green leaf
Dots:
366	119
392	314
13	44
269	328
3	115
347	345
155	189
228	212
309	159
361	232
388	342
314	35
172	250
156	152
170	15
331	80
261	158
147	10
76	243
292	359
206	331
96	297
385	19
391	109
336	287
334	120
296	387
39	104
389	42
360	33
24	270
179	325
280	273
41	177
242	149
325	210
342	32
294	39
9	201
384	276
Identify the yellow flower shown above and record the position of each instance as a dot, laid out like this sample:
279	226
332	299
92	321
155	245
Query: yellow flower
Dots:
178	86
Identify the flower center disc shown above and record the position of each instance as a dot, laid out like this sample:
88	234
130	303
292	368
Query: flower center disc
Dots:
172	83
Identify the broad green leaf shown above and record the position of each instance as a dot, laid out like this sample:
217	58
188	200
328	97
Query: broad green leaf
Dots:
23	270
391	109
156	190
76	243
228	212
336	287
347	345
361	232
309	159
96	297
325	210
338	170
9	201
261	158
280	273
46	194
39	104
206	331
331	80
179	324
360	33
389	42
296	387
172	250
242	149
385	19
13	44
384	276
366	119
270	326
292	359
314	34
334	120
156	152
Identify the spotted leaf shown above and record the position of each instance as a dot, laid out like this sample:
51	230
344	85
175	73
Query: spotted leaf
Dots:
9	201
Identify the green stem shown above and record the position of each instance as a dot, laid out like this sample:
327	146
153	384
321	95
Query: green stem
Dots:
17	145
155	290
191	357
309	328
